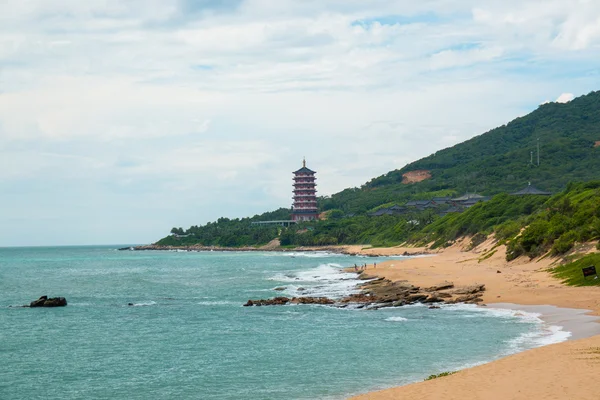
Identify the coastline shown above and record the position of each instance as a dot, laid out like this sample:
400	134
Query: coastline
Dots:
556	371
352	250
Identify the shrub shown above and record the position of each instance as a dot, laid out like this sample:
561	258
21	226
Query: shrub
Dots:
564	243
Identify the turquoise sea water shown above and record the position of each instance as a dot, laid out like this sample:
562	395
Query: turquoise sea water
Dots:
188	337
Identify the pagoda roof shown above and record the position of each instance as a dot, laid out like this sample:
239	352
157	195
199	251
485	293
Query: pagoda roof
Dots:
531	190
304	170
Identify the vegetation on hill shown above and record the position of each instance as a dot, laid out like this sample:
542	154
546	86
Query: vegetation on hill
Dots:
503	214
227	232
569	217
498	161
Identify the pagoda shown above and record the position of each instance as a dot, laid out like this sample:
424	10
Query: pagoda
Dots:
305	195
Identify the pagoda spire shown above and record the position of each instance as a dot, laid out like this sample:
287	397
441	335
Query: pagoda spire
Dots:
303	162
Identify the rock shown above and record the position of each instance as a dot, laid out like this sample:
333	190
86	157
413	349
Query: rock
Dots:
311	300
129	304
280	288
498	272
357	298
399	303
442	295
468	297
364	276
280	301
432	299
301	289
469	289
474	301
417	297
440	286
39	302
433	307
44	301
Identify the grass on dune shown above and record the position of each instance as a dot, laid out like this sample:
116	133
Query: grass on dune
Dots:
570	273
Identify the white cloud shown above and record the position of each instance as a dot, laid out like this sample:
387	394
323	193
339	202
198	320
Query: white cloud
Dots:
183	105
565	98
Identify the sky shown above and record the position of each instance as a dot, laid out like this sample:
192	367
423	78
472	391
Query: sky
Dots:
122	119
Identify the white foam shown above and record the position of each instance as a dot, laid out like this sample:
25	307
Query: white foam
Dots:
328	280
547	334
396	319
149	303
542	334
316	254
216	303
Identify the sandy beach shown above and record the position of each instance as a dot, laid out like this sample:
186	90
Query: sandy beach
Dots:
565	370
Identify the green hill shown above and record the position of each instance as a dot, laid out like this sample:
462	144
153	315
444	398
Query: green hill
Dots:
499	160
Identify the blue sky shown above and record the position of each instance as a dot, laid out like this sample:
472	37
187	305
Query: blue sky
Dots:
120	120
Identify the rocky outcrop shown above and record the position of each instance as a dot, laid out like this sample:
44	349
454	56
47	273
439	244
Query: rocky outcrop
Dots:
380	292
44	301
280	301
440	286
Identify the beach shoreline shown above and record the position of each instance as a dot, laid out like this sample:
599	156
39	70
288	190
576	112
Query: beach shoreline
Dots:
555	371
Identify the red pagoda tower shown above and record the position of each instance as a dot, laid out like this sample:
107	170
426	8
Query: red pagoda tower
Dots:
305	195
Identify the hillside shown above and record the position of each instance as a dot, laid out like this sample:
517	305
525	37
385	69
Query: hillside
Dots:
496	162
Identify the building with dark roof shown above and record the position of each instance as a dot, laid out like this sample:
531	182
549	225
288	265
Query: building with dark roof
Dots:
530	190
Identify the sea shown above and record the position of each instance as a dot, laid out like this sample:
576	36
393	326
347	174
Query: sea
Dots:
186	334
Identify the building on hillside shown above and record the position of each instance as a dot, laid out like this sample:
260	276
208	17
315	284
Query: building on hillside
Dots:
469	199
305	195
442	200
393	210
420	204
530	190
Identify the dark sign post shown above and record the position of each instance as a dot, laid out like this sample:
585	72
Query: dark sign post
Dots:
589	271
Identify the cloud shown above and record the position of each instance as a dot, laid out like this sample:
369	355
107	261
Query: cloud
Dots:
565	98
199	109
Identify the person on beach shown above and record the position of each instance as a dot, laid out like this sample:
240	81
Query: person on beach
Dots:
374	265
355	267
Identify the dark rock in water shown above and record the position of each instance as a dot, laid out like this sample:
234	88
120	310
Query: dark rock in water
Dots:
126	248
301	289
129	304
44	301
280	288
280	301
433	307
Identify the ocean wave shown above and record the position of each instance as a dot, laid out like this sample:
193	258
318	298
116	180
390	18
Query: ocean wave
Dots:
542	334
396	319
216	303
546	334
328	280
315	254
